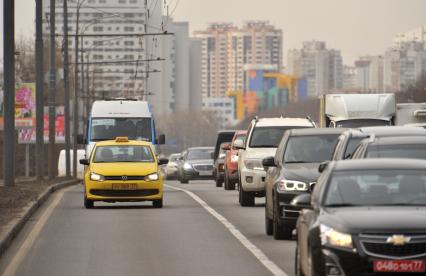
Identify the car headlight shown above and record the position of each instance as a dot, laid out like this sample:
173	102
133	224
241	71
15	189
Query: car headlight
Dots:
329	236
234	158
292	185
152	177
96	177
254	164
187	166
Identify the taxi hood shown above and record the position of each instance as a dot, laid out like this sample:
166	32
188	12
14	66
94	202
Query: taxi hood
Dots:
124	168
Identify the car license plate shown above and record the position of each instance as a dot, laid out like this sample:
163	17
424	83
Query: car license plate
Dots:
399	266
206	173
124	186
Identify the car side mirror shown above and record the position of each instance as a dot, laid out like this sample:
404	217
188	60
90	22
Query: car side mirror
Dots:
269	162
323	166
239	145
163	161
80	139
226	146
161	140
302	201
84	162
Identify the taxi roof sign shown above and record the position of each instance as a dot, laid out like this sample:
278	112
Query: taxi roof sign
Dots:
122	139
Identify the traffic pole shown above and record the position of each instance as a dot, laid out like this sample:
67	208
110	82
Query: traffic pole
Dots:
39	91
9	92
67	94
52	90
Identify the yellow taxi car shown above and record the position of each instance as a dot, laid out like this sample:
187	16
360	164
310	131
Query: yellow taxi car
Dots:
122	170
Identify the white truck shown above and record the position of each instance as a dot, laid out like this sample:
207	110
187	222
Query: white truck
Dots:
120	117
411	114
357	110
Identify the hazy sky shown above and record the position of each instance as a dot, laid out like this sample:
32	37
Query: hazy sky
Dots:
356	27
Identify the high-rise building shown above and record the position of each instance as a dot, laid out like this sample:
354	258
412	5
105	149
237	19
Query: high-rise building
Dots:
257	42
416	35
215	41
369	74
404	65
117	65
321	67
226	49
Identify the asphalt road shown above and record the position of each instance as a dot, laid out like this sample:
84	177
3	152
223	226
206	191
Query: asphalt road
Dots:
204	232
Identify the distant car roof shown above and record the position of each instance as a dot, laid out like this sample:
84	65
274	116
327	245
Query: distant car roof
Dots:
399	140
200	148
393	130
283	121
377	164
316	131
128	143
240	132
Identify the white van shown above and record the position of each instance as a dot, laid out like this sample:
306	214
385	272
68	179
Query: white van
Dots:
61	163
120	117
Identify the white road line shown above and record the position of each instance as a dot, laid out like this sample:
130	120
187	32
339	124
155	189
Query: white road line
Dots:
33	235
270	265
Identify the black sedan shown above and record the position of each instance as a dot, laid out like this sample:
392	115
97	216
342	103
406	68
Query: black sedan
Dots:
364	217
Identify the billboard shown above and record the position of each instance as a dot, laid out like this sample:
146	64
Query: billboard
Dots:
24	106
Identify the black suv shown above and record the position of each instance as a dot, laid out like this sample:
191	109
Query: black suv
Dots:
291	172
365	217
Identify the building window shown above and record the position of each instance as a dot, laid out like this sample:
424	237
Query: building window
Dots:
122	1
98	29
129	43
129	29
133	1
102	1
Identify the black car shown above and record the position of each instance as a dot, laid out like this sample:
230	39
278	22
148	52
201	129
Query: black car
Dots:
392	147
291	172
223	136
196	164
350	139
364	217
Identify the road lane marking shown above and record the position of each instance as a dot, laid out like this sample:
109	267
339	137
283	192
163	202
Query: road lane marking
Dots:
33	235
270	265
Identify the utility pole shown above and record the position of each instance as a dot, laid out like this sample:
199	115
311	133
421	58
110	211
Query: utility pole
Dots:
52	91
9	92
67	93
39	92
75	102
87	87
82	71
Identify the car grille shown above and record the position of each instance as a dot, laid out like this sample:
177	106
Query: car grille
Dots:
203	167
377	245
126	177
124	193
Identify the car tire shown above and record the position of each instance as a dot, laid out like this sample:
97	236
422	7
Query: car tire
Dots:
246	198
228	184
218	182
279	231
268	223
158	203
297	263
184	181
88	204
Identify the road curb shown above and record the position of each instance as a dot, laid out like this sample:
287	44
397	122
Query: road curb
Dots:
18	223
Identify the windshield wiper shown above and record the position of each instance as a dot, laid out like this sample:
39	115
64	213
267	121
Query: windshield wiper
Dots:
291	162
264	146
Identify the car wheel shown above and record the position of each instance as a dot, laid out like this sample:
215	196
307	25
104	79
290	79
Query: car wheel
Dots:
218	181
184	181
297	263
268	223
158	203
228	185
279	231
88	204
246	198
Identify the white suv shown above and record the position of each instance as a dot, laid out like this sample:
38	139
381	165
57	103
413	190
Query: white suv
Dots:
263	138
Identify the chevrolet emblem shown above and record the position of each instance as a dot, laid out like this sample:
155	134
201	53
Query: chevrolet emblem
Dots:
398	240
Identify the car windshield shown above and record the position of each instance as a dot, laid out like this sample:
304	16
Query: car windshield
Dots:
110	128
113	154
198	154
417	151
268	137
376	187
355	123
310	149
